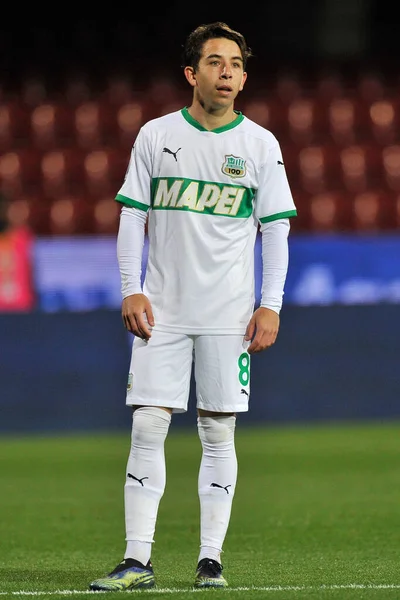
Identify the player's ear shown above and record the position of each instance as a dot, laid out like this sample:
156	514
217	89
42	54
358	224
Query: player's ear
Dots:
244	77
190	75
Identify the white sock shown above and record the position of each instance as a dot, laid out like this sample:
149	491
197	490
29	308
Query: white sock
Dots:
141	551
217	482
145	480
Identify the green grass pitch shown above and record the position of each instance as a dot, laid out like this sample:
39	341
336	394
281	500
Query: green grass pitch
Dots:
316	514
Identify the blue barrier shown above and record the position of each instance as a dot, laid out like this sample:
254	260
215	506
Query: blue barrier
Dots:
343	269
82	274
68	371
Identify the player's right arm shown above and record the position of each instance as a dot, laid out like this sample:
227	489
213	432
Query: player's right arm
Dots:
134	195
137	313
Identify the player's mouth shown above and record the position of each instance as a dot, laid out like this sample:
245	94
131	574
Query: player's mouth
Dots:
225	90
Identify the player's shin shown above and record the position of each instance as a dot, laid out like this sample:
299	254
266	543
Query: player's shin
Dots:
216	482
145	480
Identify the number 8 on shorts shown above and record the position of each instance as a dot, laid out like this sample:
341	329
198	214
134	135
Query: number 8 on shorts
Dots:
244	368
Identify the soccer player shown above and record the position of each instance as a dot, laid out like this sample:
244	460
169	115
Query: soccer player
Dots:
206	177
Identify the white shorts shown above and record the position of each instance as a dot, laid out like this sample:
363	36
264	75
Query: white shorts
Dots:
160	372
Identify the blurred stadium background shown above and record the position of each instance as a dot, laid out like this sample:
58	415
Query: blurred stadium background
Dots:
325	80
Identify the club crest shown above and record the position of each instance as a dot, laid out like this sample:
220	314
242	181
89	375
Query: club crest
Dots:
234	166
130	382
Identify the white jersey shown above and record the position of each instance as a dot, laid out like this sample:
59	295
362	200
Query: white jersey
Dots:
206	193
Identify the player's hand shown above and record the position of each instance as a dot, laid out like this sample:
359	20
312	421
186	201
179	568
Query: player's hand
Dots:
262	329
137	315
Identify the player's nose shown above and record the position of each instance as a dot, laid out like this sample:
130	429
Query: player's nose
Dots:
226	72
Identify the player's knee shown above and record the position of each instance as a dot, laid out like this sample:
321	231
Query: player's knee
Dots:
217	429
150	425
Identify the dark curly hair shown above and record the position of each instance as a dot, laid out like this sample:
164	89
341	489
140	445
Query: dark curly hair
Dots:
193	45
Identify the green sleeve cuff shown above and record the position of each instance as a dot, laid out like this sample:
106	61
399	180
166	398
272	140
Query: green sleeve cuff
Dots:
282	215
132	203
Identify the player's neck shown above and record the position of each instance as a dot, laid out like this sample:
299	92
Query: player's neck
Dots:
211	119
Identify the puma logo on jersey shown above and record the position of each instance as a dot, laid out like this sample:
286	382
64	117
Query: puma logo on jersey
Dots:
243	391
203	197
280	162
168	151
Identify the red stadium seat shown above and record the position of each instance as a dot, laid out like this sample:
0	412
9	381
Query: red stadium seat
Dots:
317	168
303	121
312	169
77	90
391	167
104	171
18	213
119	90
388	217
14	126
170	107
290	154
19	172
268	113
329	87
329	212
30	211
353	164
371	87
162	87
287	88
368	212
259	111
341	121
51	126
62	171
323	213
34	91
301	223
130	117
105	216
396	219
360	167
384	121
160	92
94	124
69	215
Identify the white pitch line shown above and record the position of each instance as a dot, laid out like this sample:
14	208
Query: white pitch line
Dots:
272	588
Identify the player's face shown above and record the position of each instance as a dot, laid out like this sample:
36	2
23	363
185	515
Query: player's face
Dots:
220	75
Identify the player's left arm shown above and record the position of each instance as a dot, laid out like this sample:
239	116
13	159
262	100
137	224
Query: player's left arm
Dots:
263	326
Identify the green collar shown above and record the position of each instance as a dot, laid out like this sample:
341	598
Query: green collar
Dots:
191	121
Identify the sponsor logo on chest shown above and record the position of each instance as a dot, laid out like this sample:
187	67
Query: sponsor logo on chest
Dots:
201	196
